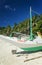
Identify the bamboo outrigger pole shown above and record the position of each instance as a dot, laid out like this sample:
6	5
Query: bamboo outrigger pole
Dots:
31	34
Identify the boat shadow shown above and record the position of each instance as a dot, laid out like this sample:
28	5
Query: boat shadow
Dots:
28	52
22	53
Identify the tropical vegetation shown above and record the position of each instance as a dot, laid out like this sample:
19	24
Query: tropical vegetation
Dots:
24	27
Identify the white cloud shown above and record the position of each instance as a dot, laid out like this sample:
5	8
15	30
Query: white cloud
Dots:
8	7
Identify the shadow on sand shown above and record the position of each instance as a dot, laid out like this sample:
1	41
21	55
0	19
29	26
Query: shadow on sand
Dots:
28	52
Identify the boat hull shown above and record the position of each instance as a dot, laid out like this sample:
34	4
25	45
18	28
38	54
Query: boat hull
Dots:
38	48
25	46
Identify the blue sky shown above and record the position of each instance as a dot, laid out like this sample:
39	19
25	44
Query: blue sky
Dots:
12	11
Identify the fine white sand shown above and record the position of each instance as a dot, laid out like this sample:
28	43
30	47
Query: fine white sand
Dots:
7	58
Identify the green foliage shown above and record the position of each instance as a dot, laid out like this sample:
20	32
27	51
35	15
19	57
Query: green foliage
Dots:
23	27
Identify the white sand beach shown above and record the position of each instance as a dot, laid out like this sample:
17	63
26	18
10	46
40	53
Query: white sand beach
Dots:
7	58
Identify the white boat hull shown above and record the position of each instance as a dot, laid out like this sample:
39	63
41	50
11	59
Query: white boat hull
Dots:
27	45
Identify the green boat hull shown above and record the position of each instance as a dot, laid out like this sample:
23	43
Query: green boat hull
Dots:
38	48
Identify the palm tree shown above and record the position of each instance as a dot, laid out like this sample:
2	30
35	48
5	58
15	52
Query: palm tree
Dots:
14	27
8	30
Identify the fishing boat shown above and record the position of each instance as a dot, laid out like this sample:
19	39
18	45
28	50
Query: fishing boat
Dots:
26	42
